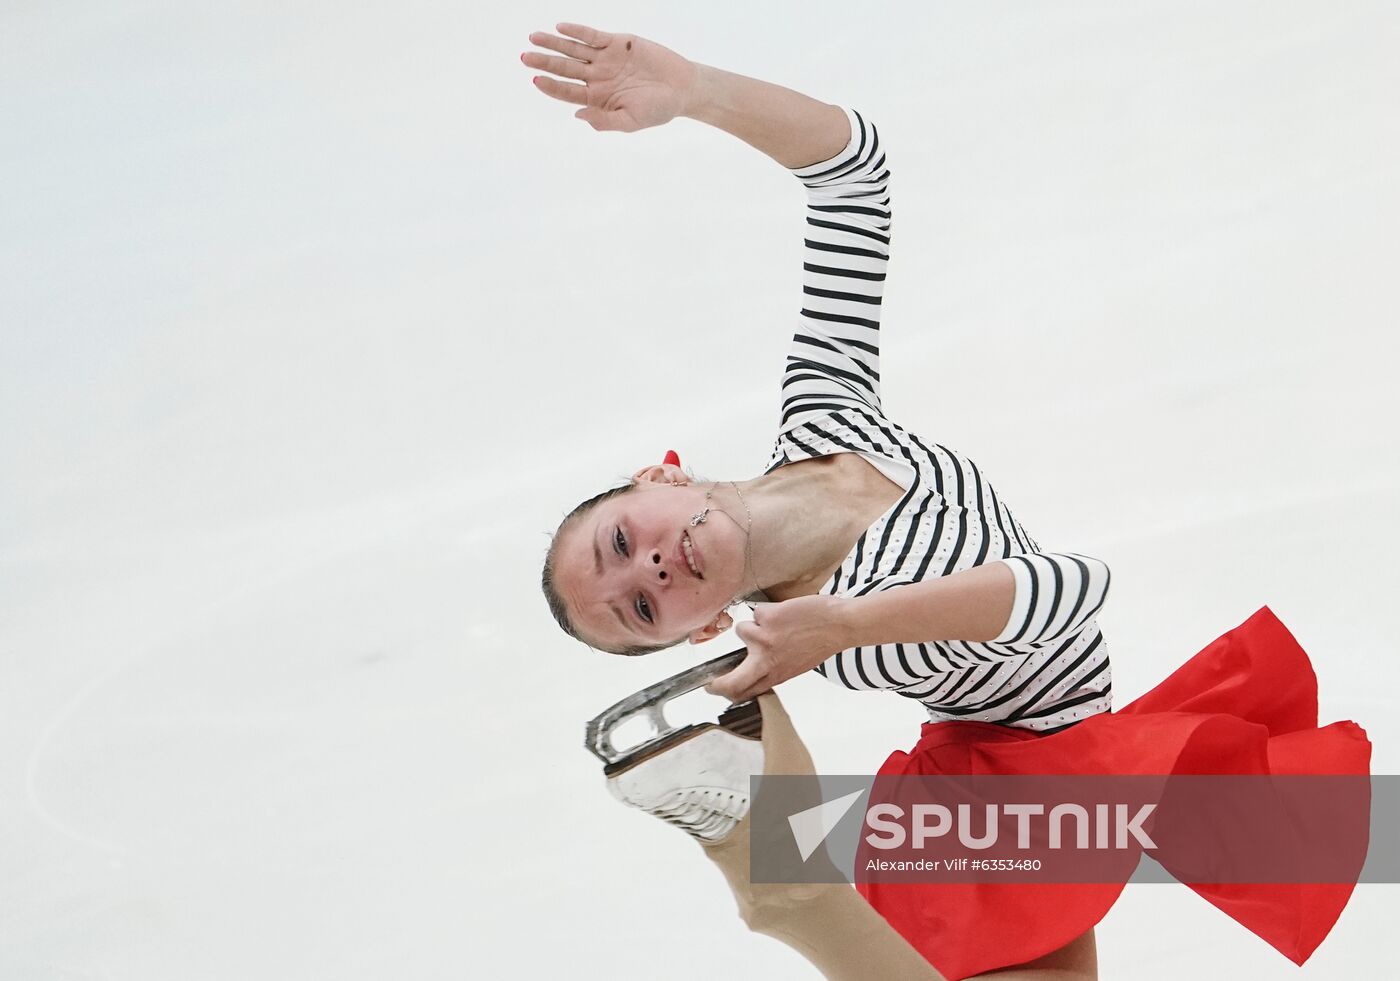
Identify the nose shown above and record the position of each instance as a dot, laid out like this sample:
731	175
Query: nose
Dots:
656	567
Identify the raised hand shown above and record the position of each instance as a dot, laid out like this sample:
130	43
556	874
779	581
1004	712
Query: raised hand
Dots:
628	82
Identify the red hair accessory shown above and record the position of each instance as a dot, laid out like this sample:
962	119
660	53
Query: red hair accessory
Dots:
672	458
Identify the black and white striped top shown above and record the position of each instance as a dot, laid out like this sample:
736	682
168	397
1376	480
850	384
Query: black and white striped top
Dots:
1049	667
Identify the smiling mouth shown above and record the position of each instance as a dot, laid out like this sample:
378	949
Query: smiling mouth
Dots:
687	548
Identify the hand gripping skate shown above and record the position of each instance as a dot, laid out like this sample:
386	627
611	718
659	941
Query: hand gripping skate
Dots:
694	776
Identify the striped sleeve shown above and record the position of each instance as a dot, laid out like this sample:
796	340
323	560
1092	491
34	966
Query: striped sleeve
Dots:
1056	595
834	360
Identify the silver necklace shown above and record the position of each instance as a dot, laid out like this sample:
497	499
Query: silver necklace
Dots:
699	519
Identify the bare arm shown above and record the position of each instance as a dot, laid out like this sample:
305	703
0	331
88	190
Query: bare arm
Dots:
627	83
793	129
972	605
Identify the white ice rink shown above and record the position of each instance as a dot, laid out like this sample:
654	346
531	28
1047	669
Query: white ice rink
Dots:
316	317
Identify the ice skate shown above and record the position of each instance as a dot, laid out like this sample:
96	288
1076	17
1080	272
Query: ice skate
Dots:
696	776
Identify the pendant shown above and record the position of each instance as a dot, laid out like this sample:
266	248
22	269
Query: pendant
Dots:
699	519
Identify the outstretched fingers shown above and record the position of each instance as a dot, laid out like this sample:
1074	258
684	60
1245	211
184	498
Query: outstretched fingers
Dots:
571	48
566	67
577	94
588	35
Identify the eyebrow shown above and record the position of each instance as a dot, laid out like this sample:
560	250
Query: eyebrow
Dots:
598	566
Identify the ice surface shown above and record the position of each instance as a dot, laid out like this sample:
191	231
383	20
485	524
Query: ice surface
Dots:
318	317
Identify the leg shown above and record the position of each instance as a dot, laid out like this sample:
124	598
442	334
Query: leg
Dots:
827	923
830	924
1077	960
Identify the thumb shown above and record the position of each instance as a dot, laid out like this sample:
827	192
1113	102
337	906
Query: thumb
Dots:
594	117
732	684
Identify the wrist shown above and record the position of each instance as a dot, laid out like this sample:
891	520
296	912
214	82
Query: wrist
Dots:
699	94
846	622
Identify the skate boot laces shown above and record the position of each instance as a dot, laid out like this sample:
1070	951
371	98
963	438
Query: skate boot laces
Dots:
699	784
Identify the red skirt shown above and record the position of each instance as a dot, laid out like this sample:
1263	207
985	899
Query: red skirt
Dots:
1247	703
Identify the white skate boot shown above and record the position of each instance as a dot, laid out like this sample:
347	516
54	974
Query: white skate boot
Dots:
697	776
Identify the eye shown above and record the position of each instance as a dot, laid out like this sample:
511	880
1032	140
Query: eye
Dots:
643	608
619	543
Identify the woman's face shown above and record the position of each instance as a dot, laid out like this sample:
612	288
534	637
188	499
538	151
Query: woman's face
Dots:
622	571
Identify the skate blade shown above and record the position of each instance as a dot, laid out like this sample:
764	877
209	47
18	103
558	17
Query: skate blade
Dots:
650	703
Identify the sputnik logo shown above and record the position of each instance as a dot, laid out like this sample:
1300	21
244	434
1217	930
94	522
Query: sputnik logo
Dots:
811	827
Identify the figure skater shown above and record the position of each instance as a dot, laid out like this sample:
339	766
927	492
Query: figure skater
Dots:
884	560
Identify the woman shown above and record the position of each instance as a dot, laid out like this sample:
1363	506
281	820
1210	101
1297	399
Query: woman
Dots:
886	561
